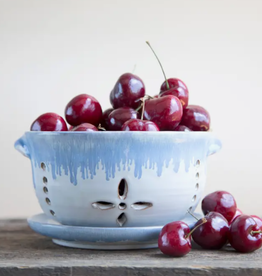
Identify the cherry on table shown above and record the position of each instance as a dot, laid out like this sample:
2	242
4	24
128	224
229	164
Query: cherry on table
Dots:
258	220
237	214
196	118
119	116
166	112
244	234
221	202
139	125
213	233
127	90
85	127
49	122
83	109
174	239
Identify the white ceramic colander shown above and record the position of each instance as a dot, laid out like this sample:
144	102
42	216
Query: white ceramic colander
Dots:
114	179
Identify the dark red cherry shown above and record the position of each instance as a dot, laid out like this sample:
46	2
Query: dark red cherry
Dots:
49	122
179	92
237	214
213	233
105	119
139	125
85	127
244	234
119	116
221	202
175	239
258	220
173	83
127	90
182	128
196	118
83	109
166	112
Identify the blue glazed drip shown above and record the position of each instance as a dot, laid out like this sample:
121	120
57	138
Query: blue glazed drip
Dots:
67	153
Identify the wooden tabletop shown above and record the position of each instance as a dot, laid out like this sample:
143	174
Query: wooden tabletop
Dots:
22	252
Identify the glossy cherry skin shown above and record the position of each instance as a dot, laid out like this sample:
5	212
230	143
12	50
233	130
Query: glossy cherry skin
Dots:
119	116
166	112
221	202
213	233
139	125
196	118
237	214
240	234
179	92
105	120
258	220
85	127
173	240
173	83
49	122
127	91
83	109
182	128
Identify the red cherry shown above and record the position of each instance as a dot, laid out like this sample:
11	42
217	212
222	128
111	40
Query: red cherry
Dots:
139	125
173	83
105	119
83	109
179	92
174	239
213	233
166	112
221	202
244	234
49	122
196	118
258	220
119	116
182	128
85	127
127	90
237	214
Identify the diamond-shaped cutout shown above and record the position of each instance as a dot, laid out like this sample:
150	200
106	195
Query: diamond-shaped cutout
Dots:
141	205
122	219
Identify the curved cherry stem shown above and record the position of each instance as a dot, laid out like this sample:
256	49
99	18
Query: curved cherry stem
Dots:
167	84
190	233
191	214
256	232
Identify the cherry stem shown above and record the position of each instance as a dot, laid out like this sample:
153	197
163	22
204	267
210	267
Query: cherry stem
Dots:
204	220
256	232
167	84
146	97
192	215
100	127
134	69
143	108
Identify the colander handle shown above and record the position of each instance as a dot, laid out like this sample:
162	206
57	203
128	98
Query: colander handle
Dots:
20	145
215	146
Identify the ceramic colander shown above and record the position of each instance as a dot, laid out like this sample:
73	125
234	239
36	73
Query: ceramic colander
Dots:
115	179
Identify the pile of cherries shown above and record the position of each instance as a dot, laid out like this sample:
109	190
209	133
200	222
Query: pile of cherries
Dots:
223	223
132	110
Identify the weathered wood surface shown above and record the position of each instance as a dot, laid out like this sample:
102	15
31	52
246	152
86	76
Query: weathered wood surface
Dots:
22	252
